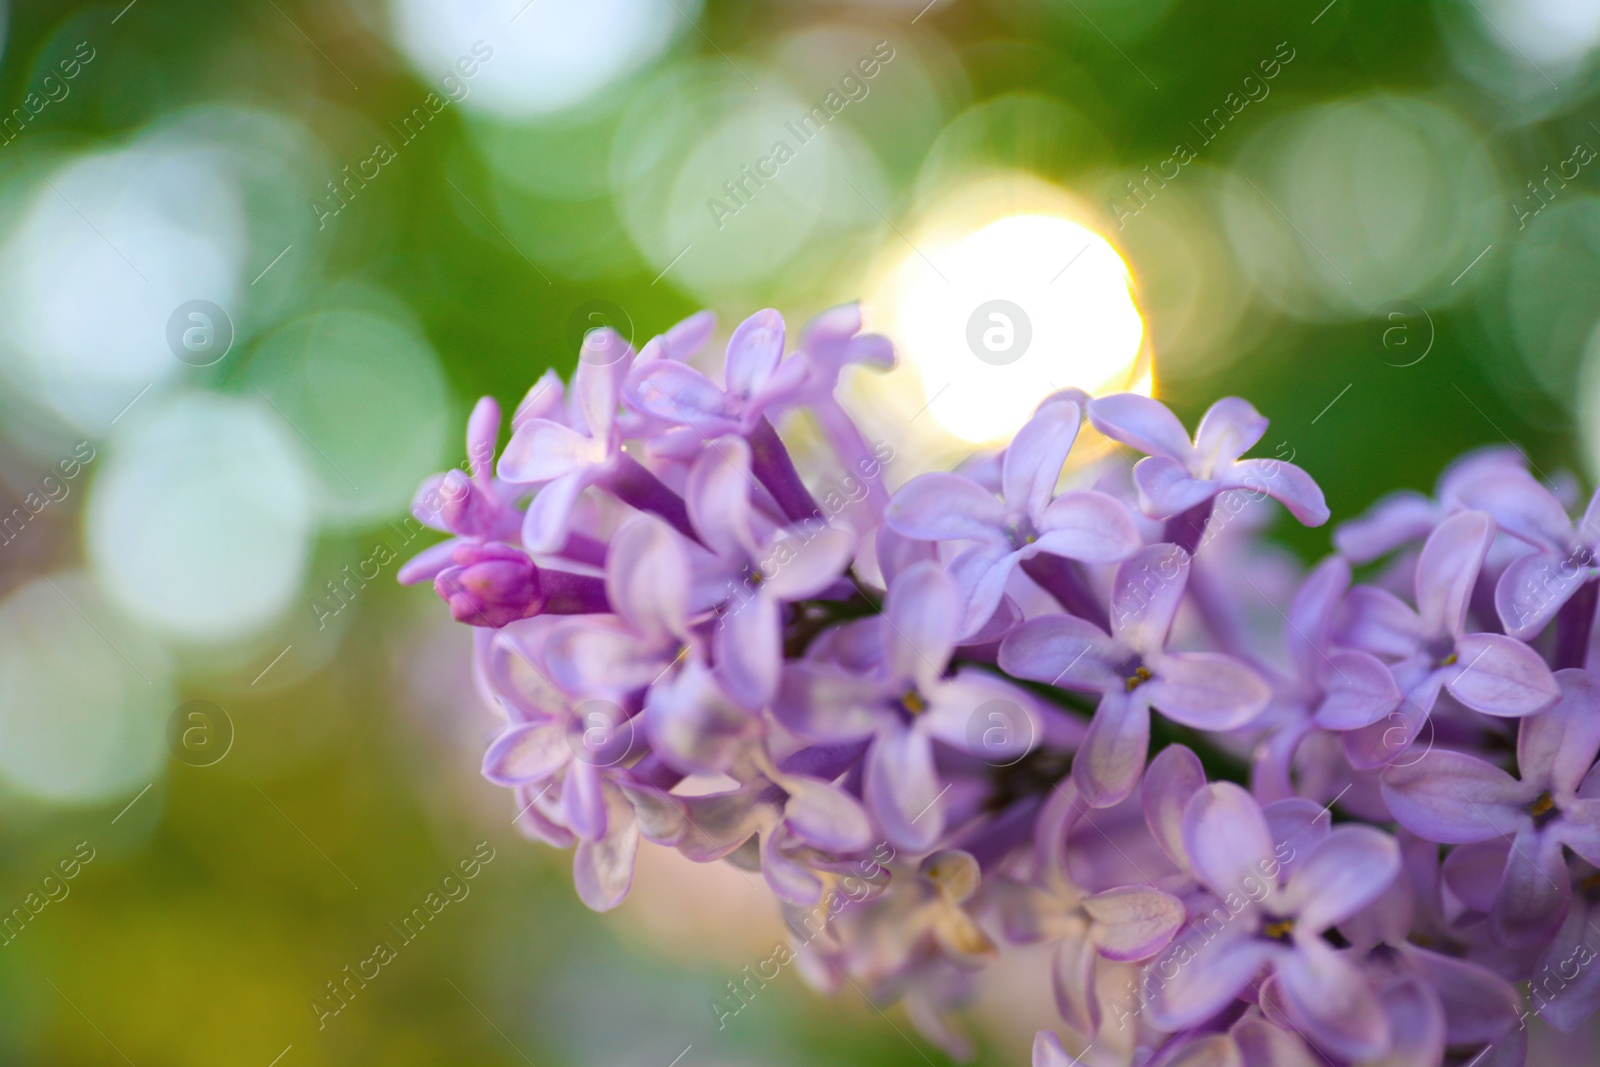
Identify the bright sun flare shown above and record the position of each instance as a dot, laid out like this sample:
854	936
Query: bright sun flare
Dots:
997	319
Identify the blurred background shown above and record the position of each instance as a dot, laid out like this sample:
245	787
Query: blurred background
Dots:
258	258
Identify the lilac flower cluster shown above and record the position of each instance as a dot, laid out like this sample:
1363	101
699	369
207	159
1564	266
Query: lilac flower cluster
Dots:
926	714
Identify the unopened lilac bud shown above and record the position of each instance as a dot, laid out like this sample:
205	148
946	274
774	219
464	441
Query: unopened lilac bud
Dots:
490	585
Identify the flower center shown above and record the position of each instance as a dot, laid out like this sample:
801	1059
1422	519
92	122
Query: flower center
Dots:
1543	809
1280	930
1140	676
914	702
1021	533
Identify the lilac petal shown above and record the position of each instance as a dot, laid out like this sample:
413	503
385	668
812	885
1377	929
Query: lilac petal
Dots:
426	565
1229	429
694	726
1141	422
921	618
545	399
1207	979
678	394
749	652
718	823
583	800
1579	828
981	573
1211	1050
1519	505
753	352
541	450
1377	621
1312	612
944	507
1479	1005
804	564
902	789
1173	778
517	679
1359	691
1392	522
1448	569
1262	1044
1470	876
546	524
1576	995
1047	1051
825	816
601	657
660	814
1388	740
483	434
597	382
687	337
1145	596
527	752
602	870
1283	482
1331	999
1072	978
1207	690
1226	838
1454	798
1107	767
1297	826
1342	875
1532	589
1032	462
1556	748
1416	1025
1499	675
1535	891
535	823
1090	526
978	713
790	880
647	578
718	496
782	386
1133	922
1166	488
1062	650
822	703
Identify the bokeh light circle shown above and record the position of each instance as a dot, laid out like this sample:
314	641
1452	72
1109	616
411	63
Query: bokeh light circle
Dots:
531	58
84	695
109	245
1344	206
1071	285
366	400
201	520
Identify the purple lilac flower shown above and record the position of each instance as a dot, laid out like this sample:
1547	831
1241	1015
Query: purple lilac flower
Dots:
1178	478
1027	522
1429	649
1262	922
1133	671
883	711
1455	798
901	704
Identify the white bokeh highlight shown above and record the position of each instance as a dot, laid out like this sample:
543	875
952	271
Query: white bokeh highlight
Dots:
201	520
107	247
545	56
84	697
